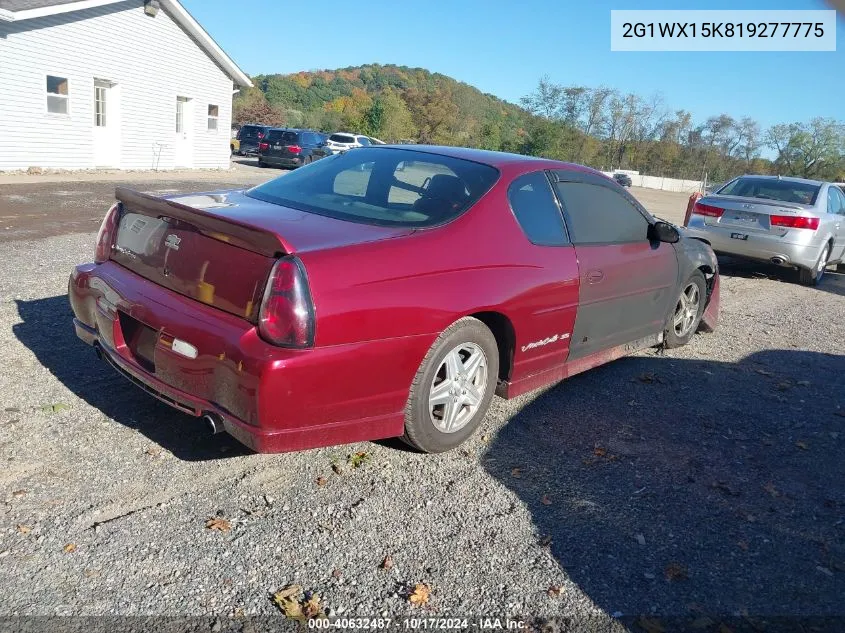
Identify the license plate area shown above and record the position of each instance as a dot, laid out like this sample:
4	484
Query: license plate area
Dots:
739	236
140	339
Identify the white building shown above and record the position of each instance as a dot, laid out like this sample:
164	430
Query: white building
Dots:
128	84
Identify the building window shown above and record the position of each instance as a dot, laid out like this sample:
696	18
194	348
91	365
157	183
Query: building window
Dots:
213	111
57	95
100	106
180	114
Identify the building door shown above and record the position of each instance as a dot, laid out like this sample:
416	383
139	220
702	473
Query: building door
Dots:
106	124
183	147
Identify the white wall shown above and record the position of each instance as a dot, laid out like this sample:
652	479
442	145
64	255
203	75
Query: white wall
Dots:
152	60
657	182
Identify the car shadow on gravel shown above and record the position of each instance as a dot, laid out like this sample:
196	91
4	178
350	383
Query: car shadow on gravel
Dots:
690	488
47	331
833	282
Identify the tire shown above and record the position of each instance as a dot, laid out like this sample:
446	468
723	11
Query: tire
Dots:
678	333
808	277
261	163
427	423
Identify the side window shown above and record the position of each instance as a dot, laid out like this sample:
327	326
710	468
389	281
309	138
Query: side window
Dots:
834	200
598	215
363	140
841	196
534	207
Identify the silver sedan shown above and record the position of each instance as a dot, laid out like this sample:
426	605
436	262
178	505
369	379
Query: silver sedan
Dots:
789	222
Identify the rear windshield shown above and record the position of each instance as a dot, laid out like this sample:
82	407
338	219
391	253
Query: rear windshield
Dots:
341	138
249	132
385	186
281	136
772	189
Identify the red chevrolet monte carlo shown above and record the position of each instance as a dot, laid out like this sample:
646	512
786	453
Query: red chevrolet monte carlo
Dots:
383	292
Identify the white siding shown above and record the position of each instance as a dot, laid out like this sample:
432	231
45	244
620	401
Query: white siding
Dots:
152	61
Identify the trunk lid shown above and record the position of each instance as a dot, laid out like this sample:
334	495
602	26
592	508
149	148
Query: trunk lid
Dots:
752	215
219	247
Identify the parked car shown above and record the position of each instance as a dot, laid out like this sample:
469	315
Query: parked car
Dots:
342	141
291	148
249	136
338	304
622	179
785	221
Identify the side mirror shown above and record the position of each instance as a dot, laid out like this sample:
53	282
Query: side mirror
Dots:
664	232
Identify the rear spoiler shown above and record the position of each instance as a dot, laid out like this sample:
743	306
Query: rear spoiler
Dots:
214	226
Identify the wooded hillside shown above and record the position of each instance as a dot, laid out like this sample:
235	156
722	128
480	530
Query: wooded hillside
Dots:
596	126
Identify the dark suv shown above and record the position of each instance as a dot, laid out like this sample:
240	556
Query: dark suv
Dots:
292	148
249	136
622	179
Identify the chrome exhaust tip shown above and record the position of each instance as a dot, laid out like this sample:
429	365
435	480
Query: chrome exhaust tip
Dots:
213	422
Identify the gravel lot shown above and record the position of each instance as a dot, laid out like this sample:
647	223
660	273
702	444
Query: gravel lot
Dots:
704	482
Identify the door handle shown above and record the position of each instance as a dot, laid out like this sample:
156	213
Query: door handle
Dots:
595	276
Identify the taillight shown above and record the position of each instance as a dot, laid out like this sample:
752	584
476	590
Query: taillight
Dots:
287	312
794	222
294	149
707	209
106	234
263	147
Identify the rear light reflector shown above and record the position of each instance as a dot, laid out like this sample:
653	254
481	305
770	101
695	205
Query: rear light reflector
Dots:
294	149
794	222
263	147
106	234
708	210
286	318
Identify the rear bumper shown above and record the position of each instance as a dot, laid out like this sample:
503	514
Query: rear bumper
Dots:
269	398
282	161
785	250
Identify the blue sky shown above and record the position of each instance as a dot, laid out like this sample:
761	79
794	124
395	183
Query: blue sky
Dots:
504	48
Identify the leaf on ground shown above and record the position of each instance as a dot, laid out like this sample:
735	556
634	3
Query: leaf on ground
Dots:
646	377
17	494
803	383
55	408
485	439
650	625
387	563
554	591
420	595
743	545
599	451
322	481
312	608
218	523
516	472
546	540
289	603
69	548
545	500
764	372
24	529
153	451
12	410
722	486
640	539
783	385
802	445
356	460
675	571
336	573
337	469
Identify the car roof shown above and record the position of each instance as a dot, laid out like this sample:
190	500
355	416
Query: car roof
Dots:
785	178
488	157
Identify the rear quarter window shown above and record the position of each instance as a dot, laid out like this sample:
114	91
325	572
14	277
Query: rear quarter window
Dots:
534	207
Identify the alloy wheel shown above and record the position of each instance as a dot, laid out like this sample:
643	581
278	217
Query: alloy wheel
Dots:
686	311
458	388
